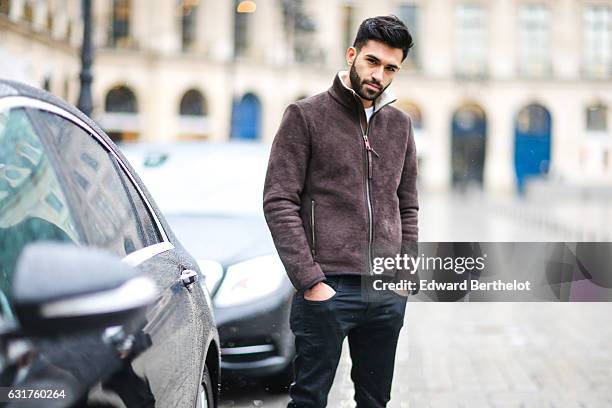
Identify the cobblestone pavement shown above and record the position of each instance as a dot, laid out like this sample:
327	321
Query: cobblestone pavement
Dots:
488	355
499	355
469	355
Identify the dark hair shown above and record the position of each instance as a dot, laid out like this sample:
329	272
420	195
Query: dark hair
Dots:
389	30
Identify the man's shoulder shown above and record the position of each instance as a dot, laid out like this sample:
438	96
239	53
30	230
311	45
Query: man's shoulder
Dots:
313	104
397	114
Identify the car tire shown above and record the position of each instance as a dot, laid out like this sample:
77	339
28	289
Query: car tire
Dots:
206	394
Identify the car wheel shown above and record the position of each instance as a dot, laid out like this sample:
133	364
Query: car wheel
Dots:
206	395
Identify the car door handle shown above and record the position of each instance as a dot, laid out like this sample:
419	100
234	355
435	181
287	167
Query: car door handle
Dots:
189	277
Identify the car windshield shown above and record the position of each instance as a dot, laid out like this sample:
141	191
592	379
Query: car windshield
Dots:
203	179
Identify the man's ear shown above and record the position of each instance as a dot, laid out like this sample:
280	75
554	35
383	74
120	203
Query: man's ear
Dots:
351	53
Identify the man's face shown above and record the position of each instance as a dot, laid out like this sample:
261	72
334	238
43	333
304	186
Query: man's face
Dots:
373	68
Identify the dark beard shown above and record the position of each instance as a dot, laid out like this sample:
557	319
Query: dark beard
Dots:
357	84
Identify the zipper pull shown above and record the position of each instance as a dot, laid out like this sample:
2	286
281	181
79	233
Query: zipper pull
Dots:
368	147
367	142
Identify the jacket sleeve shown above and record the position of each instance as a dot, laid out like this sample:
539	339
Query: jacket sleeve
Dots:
283	187
409	204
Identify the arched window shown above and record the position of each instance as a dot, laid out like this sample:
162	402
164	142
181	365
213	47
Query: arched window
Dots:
193	104
597	117
120	99
533	119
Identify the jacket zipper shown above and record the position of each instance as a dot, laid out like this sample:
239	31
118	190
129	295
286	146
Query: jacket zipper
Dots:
312	227
368	170
368	176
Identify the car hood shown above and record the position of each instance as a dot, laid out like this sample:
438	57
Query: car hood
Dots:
224	239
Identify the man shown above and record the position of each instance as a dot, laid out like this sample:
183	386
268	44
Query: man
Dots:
341	191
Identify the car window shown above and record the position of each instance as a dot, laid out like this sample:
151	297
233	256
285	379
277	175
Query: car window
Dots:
105	201
148	225
33	206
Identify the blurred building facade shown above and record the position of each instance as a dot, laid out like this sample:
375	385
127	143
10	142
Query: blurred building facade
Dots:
39	43
500	92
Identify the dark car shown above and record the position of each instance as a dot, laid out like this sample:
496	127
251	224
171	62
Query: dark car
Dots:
211	193
137	330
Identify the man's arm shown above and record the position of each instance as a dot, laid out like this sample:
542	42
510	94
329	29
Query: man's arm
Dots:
282	199
409	205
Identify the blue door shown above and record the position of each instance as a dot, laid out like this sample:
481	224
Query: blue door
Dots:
246	118
531	144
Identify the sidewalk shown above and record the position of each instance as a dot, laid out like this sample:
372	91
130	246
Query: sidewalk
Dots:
499	355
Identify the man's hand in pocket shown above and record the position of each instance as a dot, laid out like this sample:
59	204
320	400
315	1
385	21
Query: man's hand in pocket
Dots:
319	292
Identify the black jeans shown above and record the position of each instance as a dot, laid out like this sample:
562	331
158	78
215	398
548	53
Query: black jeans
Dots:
372	321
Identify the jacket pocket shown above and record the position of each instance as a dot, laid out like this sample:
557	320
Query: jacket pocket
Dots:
313	238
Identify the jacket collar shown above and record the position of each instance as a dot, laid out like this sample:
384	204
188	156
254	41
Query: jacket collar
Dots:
347	96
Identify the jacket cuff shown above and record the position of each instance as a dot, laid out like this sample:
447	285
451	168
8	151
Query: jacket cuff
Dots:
311	284
314	276
411	249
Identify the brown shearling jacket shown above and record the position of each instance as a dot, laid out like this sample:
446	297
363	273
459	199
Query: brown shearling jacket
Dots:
340	191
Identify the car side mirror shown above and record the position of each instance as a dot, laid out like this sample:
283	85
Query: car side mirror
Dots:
62	289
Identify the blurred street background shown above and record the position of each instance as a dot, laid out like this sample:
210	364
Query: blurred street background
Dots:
511	106
506	96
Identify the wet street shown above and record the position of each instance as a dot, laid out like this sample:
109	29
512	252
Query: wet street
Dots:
492	354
